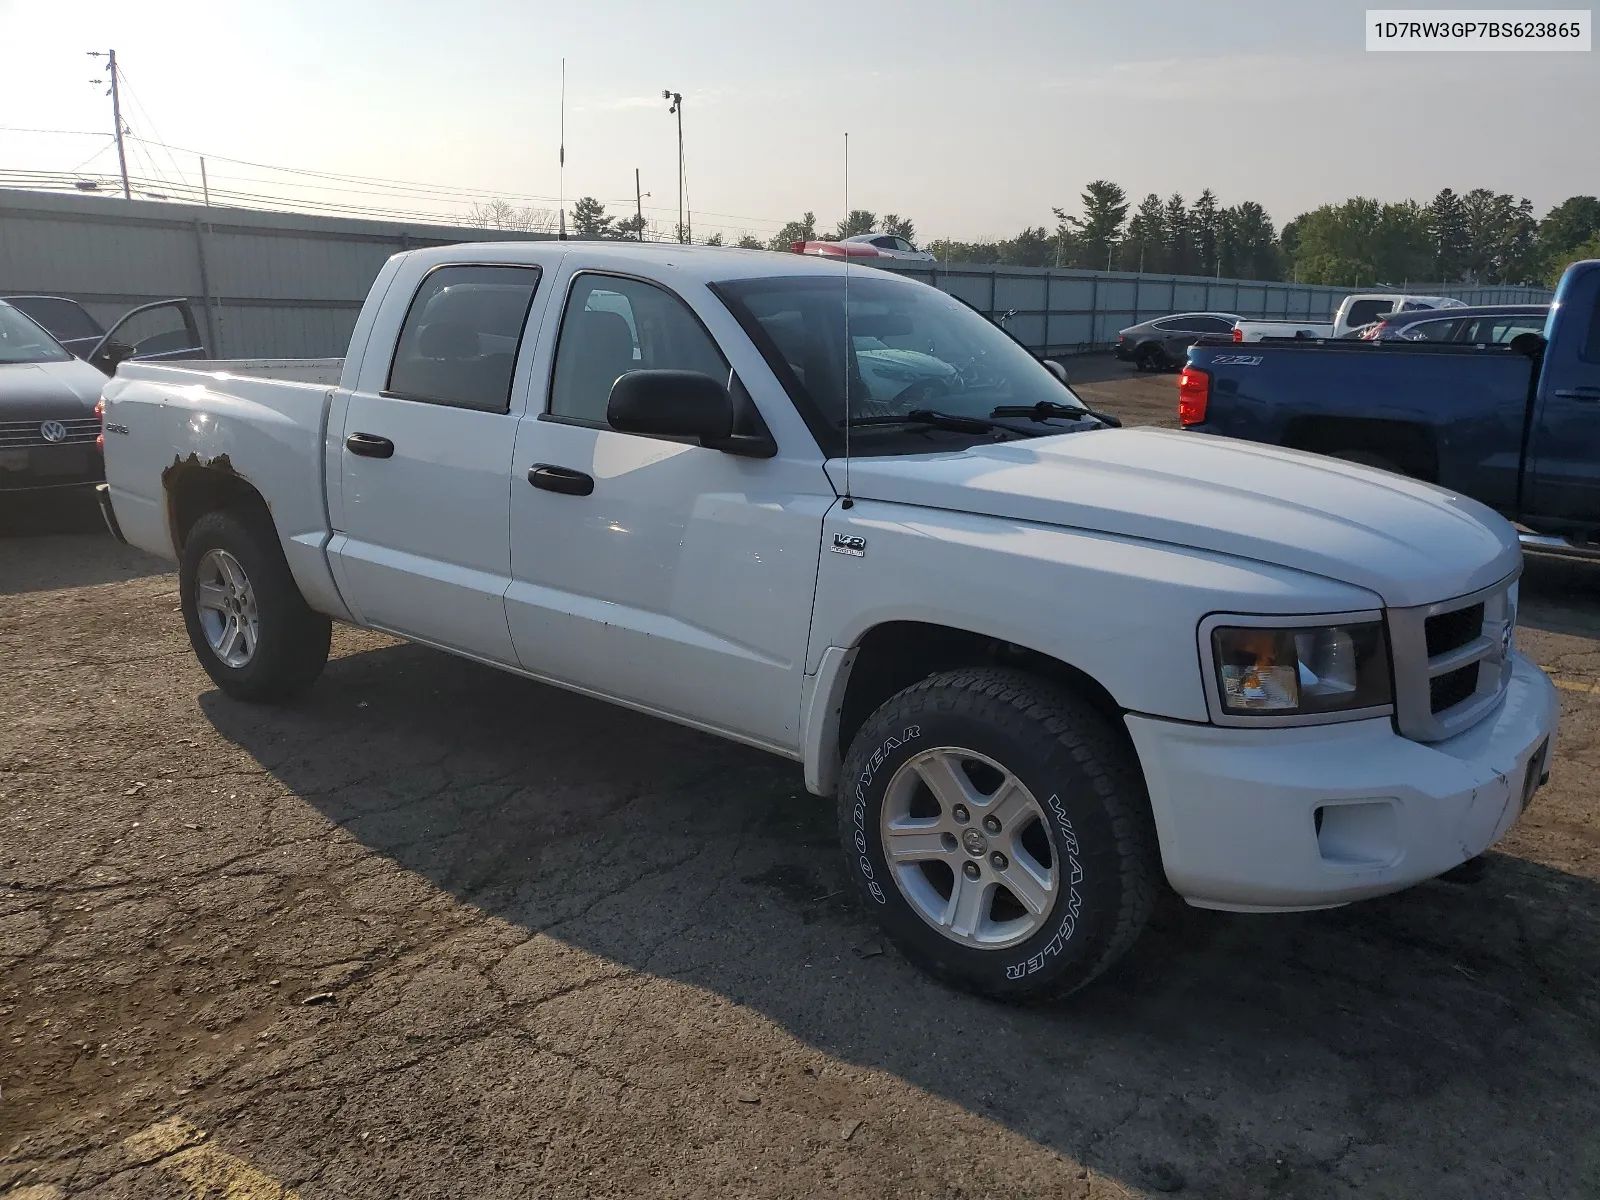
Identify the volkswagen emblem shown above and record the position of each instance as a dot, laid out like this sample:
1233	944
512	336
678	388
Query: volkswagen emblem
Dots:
53	431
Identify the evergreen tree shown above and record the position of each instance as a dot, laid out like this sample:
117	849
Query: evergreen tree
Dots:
1179	241
1144	249
589	218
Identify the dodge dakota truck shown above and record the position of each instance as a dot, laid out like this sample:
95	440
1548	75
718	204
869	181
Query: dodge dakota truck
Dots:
1043	666
1513	425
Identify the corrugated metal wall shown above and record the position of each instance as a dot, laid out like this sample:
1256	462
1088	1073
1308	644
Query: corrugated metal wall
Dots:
263	284
282	285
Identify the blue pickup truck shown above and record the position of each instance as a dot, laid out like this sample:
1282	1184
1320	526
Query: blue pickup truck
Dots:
1516	426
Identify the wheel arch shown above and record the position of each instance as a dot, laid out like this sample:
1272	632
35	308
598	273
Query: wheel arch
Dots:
892	655
194	486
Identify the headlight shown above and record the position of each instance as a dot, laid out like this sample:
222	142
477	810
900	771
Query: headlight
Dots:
1300	670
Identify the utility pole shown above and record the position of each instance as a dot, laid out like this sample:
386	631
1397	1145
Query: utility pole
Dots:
638	202
677	107
205	186
116	115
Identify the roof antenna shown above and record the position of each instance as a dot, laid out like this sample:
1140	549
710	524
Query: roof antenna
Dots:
849	499
561	173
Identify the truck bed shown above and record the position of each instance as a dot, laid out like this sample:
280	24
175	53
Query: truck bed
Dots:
1308	394
299	370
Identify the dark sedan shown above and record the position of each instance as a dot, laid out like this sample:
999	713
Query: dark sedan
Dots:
1162	343
1487	325
49	432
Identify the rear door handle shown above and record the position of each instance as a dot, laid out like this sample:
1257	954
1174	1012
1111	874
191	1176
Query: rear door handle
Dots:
565	480
369	445
1582	392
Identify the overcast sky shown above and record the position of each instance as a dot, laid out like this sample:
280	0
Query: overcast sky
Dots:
974	119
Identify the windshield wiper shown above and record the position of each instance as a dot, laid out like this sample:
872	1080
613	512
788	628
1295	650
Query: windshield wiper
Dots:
927	416
1047	409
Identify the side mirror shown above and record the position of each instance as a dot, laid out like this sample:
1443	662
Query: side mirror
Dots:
671	404
1527	344
1057	370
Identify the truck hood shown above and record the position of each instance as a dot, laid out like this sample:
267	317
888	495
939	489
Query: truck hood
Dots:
1410	543
48	390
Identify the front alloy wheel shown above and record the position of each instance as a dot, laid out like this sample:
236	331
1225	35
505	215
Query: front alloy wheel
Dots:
967	847
998	828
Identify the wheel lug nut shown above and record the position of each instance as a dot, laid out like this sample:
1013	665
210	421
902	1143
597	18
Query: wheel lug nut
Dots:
948	841
960	813
999	860
970	870
992	824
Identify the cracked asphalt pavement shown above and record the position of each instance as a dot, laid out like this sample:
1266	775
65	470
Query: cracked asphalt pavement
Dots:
435	931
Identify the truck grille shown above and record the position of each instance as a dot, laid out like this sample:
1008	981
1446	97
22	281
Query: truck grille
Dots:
21	435
1452	630
1450	662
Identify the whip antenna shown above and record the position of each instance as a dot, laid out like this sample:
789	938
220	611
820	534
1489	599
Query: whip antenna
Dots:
561	173
849	499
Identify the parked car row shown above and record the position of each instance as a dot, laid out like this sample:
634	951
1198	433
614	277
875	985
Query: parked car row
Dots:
1163	342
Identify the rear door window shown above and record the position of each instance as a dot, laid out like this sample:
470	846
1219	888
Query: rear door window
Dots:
1430	331
459	343
1591	347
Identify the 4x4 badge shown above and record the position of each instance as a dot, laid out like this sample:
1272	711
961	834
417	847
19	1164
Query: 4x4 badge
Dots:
846	543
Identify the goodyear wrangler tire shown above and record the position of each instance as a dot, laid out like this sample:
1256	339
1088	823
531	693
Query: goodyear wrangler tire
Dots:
999	830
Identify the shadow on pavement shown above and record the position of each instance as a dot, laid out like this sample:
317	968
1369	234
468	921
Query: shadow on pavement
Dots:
1560	595
1445	1041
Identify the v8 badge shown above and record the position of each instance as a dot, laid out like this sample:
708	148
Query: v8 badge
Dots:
847	543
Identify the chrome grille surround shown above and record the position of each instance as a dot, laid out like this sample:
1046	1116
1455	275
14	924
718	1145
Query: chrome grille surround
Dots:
1415	672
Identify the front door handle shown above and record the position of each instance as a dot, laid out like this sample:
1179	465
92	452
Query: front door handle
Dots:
1581	392
560	479
369	445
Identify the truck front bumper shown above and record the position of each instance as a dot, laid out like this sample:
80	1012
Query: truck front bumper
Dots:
1282	819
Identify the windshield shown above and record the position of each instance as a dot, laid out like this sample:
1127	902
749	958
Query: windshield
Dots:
911	348
21	341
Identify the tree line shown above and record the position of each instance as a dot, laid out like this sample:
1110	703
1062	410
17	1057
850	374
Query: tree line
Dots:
1480	236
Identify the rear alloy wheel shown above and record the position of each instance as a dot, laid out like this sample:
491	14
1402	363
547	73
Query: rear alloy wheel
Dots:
249	625
226	605
1149	357
998	829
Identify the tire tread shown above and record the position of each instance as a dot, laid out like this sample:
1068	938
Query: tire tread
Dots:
1102	756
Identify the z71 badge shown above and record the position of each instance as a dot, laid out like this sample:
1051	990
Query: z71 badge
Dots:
1237	360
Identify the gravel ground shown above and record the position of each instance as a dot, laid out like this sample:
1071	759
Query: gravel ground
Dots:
437	931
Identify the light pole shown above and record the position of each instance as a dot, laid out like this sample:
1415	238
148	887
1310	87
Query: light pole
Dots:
677	107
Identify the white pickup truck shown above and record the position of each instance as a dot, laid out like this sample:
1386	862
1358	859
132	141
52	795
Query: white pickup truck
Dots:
1043	665
1355	312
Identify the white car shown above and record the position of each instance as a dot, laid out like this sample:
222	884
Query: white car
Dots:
865	245
1354	313
1041	665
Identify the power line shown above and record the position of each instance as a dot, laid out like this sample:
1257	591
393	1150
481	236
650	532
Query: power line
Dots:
58	132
